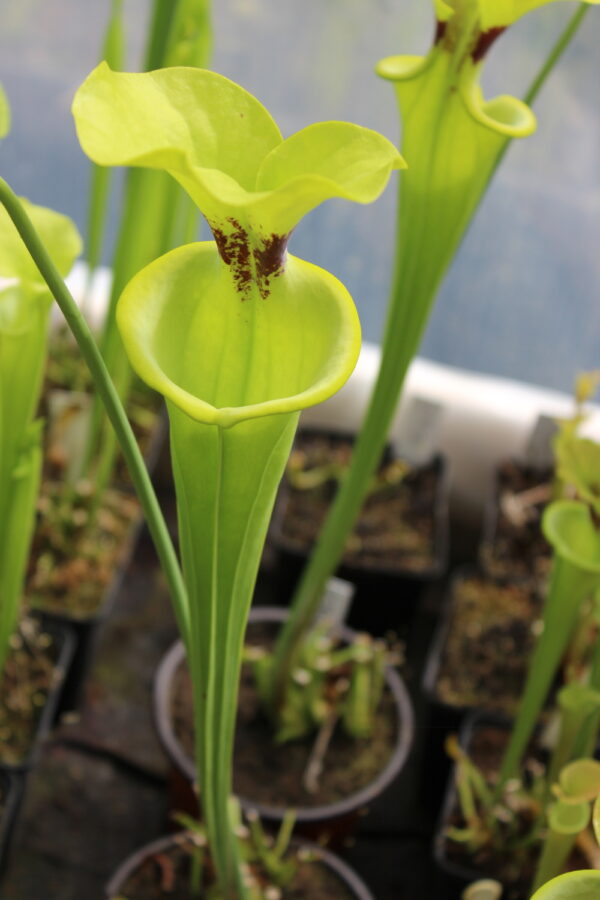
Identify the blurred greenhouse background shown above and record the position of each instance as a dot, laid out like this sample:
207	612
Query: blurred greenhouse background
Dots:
521	299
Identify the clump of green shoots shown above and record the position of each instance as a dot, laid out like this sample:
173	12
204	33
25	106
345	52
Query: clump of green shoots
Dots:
307	474
331	683
270	863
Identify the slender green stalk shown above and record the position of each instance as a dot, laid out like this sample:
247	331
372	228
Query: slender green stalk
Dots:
110	398
560	619
163	12
549	64
578	704
557	51
588	735
424	251
112	52
555	853
16	537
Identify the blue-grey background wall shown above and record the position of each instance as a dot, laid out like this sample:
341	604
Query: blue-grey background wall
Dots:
522	297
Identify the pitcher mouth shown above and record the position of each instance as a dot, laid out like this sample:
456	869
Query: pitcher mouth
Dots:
280	372
252	259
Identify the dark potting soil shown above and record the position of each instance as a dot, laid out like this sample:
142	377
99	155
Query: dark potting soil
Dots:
27	680
516	547
165	876
514	867
396	528
73	557
488	644
271	773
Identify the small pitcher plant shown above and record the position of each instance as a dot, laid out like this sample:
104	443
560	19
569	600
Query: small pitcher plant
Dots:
25	303
239	336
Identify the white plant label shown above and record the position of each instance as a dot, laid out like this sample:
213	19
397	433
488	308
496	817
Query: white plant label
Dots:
419	430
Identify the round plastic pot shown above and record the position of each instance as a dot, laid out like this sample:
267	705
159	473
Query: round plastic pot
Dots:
353	884
386	595
331	823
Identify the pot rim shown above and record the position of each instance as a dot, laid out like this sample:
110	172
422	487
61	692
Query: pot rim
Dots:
346	874
360	798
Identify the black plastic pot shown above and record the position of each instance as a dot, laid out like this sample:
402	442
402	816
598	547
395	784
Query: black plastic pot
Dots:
64	641
329	823
85	629
445	717
524	571
453	877
386	596
11	792
350	880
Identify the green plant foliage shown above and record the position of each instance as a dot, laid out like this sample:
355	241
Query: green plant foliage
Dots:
194	123
596	818
568	818
239	336
453	140
578	465
579	782
572	886
24	311
569	528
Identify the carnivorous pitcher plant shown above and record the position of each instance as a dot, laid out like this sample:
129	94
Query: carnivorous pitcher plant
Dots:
239	336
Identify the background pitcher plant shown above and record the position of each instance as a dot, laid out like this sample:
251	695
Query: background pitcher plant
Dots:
25	303
452	139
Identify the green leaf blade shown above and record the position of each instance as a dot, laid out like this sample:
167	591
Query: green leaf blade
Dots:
183	120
